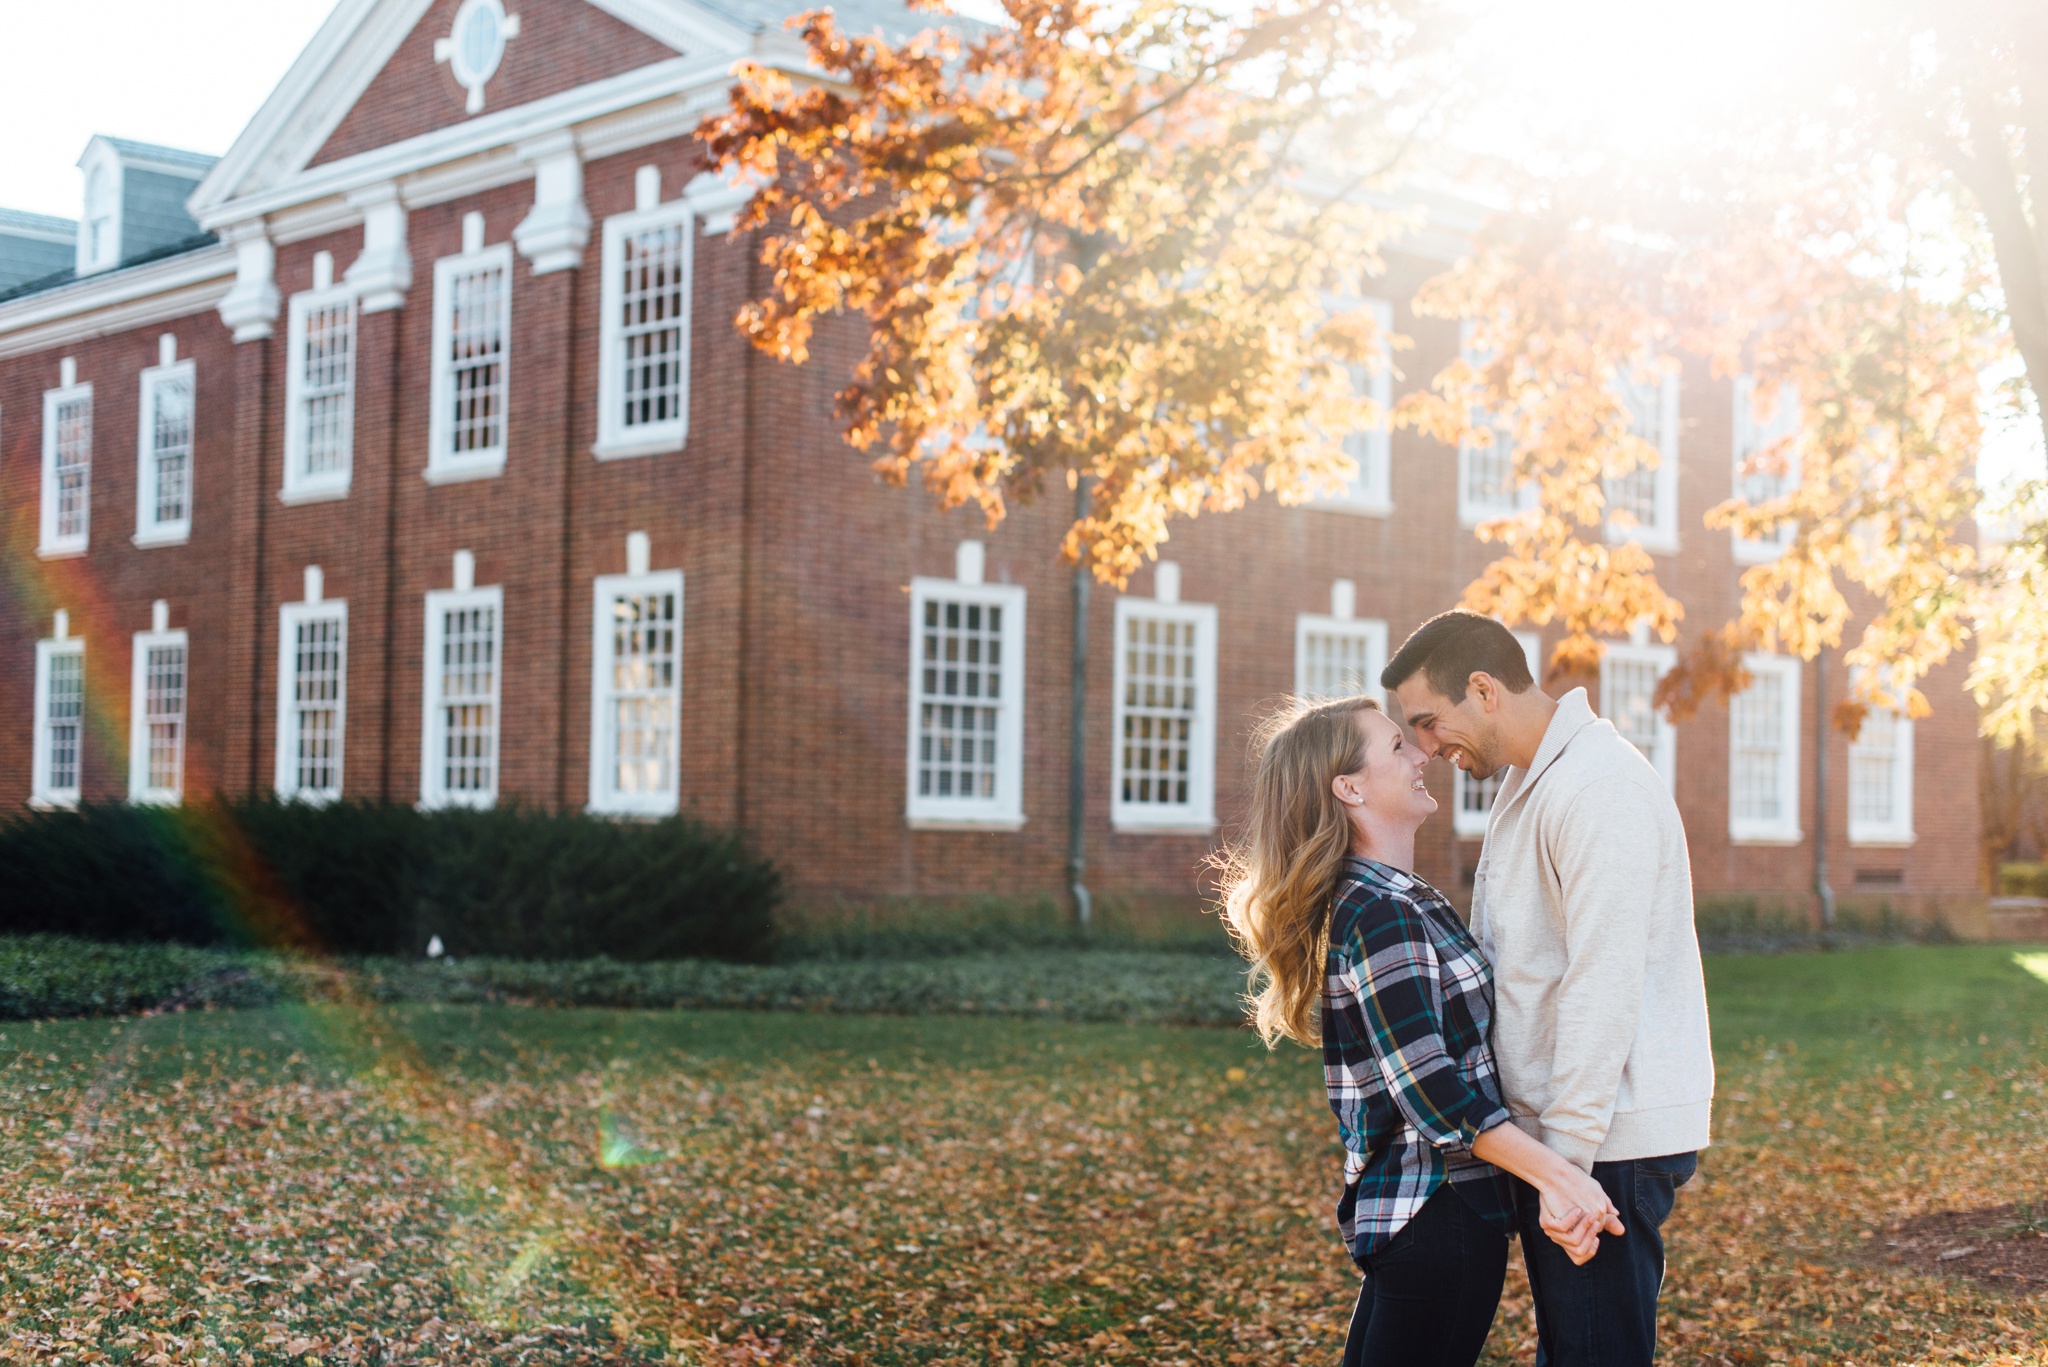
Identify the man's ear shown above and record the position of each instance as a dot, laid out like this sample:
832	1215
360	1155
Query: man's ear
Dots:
1485	688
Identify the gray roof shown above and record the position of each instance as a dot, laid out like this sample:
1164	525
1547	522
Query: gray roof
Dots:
13	221
857	18
199	163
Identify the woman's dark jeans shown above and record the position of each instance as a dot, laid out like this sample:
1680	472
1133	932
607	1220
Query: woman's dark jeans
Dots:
1429	1294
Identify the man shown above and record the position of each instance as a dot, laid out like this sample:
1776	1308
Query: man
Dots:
1582	903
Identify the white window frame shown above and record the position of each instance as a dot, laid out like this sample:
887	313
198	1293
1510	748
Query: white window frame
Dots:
139	787
1005	810
1660	533
1198	814
149	530
300	485
41	792
1370	631
605	798
615	438
1897	832
286	769
1472	512
1750	436
445	465
1784	830
1370	493
1475	822
53	543
434	791
1663	754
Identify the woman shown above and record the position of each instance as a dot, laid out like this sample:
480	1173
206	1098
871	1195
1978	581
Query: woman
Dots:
1354	951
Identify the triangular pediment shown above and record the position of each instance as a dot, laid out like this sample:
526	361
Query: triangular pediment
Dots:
370	77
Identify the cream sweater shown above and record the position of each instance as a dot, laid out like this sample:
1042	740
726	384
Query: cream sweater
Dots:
1583	903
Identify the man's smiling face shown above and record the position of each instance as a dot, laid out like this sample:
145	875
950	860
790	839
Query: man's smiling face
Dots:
1464	733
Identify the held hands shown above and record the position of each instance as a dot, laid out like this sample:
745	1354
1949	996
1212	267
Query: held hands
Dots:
1575	1212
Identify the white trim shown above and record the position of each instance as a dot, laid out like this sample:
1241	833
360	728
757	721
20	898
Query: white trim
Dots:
41	793
1784	828
1663	752
139	789
285	768
1897	832
1470	512
300	486
1004	809
1198	814
1660	533
117	300
1470	823
1370	631
1370	494
52	543
444	465
602	797
617	439
434	791
1749	438
149	531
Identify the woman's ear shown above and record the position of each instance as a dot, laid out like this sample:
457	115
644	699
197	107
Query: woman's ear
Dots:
1345	786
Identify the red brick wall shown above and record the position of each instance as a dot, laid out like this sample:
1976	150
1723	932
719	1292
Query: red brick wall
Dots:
796	614
561	44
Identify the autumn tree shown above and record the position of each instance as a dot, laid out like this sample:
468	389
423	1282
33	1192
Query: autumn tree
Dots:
1103	247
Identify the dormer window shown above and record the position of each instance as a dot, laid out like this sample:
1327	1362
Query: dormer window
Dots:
102	223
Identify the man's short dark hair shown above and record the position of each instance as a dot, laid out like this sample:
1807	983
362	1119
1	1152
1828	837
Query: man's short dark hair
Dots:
1452	646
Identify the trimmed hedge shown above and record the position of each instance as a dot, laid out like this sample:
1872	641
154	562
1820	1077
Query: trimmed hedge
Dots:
50	976
371	878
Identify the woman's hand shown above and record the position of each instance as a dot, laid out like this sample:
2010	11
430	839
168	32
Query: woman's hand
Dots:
1575	1207
1575	1211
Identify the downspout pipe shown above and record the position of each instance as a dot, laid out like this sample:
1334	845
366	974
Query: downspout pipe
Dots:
1821	888
1077	736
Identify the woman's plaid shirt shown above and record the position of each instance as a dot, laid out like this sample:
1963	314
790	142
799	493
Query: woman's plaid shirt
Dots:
1407	1006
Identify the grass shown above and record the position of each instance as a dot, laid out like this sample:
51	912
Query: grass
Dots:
378	1181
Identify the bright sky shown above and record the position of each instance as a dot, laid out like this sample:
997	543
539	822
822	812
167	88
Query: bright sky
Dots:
188	75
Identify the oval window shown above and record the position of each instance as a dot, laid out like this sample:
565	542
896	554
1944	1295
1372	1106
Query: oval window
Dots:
477	46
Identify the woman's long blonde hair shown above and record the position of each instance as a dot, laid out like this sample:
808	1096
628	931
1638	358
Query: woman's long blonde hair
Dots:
1278	875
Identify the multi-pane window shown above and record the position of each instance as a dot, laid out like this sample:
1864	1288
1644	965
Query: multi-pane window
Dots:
459	750
1487	487
59	722
67	469
320	392
1165	715
636	693
312	699
1769	443
644	370
1881	780
1472	798
1763	752
1642	505
163	470
1628	686
966	732
472	335
1371	447
156	717
1336	657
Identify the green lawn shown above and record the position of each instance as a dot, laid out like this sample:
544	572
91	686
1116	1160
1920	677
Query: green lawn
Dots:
469	1184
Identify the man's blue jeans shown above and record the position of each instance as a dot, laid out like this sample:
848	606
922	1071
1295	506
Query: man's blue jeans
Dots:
1604	1314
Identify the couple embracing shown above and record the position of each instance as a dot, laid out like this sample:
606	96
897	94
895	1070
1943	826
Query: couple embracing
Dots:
1545	1072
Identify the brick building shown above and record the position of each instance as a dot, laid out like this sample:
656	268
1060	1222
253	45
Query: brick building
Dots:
407	451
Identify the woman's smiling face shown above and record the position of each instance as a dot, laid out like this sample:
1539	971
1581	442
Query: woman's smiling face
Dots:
1390	785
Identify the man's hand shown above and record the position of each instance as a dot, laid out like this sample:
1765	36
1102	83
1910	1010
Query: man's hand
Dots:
1575	1212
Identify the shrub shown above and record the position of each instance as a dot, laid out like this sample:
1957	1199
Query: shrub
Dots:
374	878
2023	880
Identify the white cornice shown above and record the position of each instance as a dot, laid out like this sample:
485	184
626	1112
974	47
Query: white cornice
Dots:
501	129
114	301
